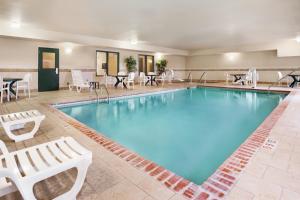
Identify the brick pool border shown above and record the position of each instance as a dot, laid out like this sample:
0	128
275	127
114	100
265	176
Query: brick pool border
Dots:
218	184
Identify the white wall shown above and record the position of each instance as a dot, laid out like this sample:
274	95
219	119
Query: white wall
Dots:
18	56
266	62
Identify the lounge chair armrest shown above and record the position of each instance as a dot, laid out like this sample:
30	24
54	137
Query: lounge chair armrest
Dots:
4	172
3	147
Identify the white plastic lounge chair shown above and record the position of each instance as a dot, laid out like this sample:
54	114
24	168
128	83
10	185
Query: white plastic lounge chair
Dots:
78	81
24	84
4	87
173	78
130	79
16	121
40	162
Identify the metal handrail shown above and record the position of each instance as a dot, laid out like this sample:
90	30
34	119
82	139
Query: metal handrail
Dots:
106	92
190	78
282	78
202	77
100	87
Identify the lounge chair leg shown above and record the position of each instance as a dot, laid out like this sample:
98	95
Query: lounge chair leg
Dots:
25	136
81	174
27	191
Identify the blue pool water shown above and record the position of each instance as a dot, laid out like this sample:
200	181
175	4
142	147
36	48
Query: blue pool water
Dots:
190	132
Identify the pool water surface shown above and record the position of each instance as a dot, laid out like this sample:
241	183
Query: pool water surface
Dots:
190	132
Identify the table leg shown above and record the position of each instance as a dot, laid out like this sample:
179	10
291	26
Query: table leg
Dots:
147	81
118	81
11	88
237	78
293	83
155	81
124	84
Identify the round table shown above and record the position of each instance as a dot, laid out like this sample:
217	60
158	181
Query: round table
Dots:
11	82
152	79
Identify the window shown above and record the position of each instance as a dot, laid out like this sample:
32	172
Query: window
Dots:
146	63
107	62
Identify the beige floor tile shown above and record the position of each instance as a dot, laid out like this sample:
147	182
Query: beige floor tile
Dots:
239	194
155	189
123	191
289	195
261	188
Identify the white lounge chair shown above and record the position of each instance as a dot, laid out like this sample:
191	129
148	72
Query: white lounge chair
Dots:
78	81
4	87
40	162
172	76
14	121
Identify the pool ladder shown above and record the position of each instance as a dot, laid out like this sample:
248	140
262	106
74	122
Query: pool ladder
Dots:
190	77
203	76
101	91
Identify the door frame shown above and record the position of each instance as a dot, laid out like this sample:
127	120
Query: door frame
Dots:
107	57
145	62
40	63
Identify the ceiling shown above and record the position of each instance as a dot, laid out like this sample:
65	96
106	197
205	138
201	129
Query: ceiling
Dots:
179	24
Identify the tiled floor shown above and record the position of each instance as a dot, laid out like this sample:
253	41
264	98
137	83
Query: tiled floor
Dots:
269	175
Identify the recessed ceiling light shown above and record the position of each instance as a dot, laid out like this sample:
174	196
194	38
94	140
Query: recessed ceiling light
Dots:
158	56
134	42
68	50
232	56
15	24
298	39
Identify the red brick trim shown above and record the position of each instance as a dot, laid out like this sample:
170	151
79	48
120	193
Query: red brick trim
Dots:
217	185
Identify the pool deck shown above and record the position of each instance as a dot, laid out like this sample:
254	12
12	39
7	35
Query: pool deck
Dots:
270	173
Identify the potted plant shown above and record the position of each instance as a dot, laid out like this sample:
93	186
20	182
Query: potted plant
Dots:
130	64
161	65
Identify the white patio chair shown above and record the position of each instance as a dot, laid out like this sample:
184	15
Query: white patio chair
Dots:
247	79
40	162
78	81
228	78
24	84
162	78
130	79
4	88
122	79
15	121
143	78
281	79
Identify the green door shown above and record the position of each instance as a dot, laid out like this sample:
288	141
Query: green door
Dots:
48	71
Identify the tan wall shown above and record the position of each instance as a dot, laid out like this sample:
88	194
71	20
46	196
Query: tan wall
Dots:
266	62
19	56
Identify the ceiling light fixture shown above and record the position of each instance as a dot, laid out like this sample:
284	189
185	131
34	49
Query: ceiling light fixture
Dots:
158	56
298	39
134	42
232	56
68	50
15	24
